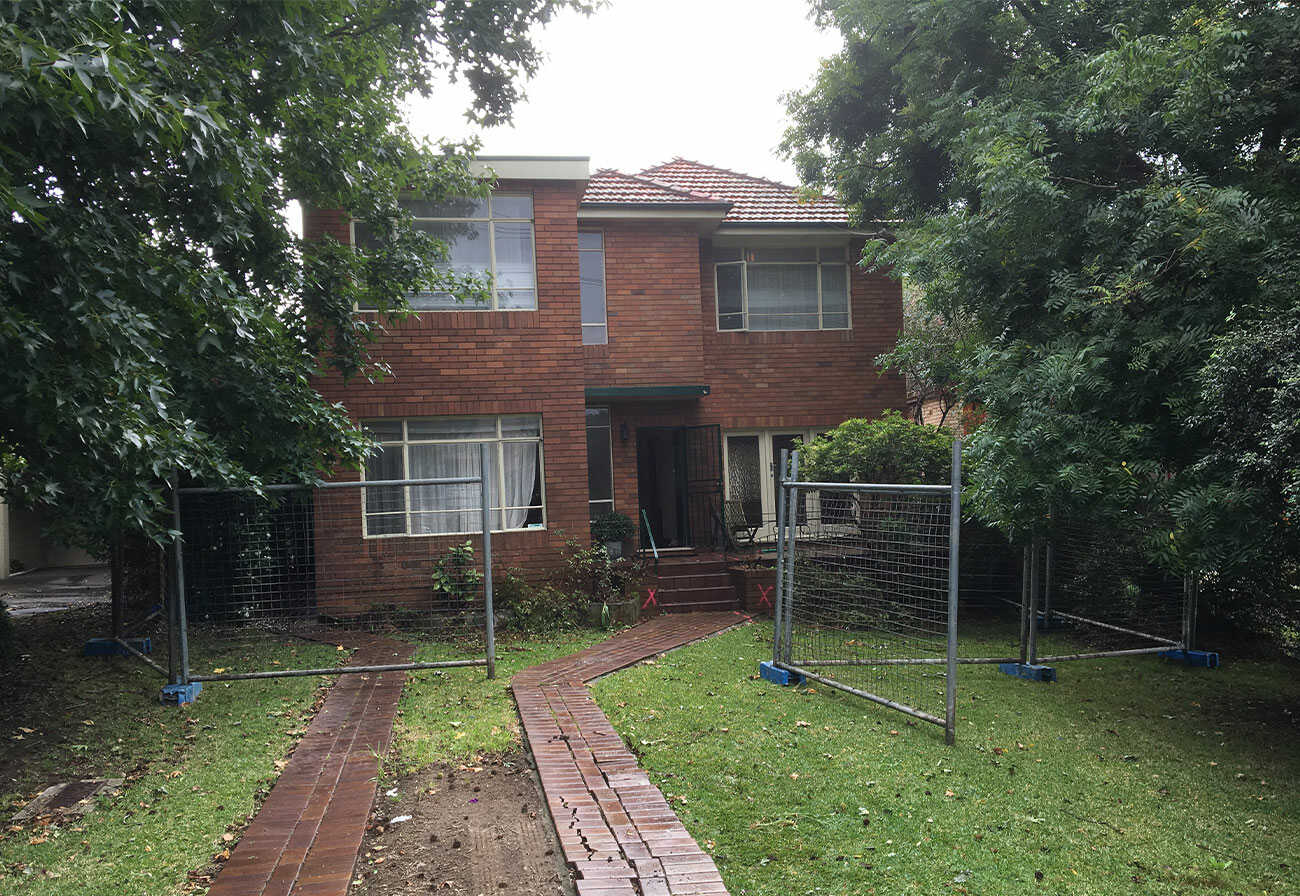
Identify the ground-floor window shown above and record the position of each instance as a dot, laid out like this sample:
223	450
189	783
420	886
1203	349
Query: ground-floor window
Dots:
449	447
751	475
600	463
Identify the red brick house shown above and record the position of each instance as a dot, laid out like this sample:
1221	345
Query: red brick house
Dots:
651	343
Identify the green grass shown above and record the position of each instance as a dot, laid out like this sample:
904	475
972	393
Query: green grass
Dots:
193	774
457	714
1128	776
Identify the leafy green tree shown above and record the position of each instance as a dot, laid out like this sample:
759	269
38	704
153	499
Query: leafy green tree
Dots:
932	352
156	312
1109	192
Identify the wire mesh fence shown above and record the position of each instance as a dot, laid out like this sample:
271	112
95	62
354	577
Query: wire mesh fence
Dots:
867	579
402	557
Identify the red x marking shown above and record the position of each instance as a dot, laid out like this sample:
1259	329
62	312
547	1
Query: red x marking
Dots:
651	599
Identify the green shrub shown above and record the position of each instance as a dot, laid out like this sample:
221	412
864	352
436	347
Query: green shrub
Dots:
589	571
456	574
612	526
524	607
888	449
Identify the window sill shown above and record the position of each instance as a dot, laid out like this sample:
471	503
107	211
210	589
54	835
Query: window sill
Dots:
408	535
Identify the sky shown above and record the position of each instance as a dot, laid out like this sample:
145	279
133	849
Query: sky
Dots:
642	81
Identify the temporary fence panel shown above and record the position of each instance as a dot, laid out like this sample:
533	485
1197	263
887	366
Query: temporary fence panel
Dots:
867	590
410	555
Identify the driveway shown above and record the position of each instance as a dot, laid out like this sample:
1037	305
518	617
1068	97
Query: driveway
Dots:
54	589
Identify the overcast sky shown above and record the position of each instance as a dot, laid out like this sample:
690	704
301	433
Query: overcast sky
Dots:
642	81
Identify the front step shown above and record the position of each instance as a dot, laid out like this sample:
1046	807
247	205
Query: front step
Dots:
687	584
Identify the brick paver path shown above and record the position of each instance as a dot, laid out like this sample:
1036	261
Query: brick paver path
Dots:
306	837
618	832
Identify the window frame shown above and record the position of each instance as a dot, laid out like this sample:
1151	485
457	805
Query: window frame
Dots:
744	264
604	282
610	441
491	220
498	440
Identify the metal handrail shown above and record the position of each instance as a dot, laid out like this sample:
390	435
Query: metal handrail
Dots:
645	518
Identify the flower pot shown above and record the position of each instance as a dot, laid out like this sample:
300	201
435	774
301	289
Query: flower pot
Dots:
756	587
614	549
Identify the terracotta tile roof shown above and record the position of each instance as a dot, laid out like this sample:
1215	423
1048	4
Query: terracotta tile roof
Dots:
753	199
608	186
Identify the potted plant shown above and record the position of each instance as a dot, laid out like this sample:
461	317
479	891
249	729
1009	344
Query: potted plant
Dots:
612	529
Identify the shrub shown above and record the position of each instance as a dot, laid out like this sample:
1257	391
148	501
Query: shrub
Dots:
612	526
456	575
591	572
524	607
888	449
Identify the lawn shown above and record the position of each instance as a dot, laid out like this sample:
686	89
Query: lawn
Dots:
194	775
458	713
1128	776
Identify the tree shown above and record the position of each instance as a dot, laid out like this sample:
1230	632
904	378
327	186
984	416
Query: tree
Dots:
932	353
1107	192
156	313
889	448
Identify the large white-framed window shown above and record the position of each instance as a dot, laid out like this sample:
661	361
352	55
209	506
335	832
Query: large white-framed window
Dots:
446	448
767	289
489	237
600	462
751	477
591	282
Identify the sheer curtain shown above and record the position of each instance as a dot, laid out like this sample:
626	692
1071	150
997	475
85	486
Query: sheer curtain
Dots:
521	478
438	509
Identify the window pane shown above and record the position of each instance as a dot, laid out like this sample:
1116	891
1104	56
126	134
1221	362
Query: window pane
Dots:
468	252
781	255
600	474
459	207
383	430
591	281
362	236
385	463
446	508
512	207
835	287
598	417
591	240
385	507
514	262
599	508
789	443
836	321
729	301
523	480
744	484
595	334
517	300
521	426
782	297
462	428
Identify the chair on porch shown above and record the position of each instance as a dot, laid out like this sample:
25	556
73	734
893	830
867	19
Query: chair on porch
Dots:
737	523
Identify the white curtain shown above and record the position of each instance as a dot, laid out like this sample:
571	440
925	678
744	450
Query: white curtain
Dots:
521	477
437	509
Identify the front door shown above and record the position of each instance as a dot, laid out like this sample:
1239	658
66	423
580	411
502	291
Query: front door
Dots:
679	480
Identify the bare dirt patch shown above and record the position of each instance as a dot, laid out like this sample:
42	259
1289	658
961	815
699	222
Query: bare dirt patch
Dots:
475	829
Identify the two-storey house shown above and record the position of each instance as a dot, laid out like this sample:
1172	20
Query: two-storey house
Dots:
652	341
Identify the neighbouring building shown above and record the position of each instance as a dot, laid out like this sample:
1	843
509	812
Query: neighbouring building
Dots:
652	342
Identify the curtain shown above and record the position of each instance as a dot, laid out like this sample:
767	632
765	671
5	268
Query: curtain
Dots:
440	509
521	481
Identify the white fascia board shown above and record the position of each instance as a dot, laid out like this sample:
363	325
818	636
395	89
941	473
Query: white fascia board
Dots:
532	167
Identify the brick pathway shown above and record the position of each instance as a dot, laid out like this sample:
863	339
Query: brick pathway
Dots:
306	836
618	832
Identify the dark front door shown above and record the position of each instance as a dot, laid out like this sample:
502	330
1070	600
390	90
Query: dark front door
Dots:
679	479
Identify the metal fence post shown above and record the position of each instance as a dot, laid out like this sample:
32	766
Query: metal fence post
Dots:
182	623
1048	584
778	606
1036	552
791	518
1024	607
485	452
954	548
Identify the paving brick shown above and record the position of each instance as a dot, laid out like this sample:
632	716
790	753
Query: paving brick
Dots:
615	826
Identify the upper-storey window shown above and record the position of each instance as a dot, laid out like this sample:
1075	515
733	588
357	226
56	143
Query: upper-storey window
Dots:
782	289
489	237
591	281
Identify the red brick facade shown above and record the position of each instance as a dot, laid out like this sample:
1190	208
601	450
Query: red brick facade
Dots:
662	332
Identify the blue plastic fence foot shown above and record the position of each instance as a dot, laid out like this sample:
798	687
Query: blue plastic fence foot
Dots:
1028	671
109	647
777	675
1206	659
180	694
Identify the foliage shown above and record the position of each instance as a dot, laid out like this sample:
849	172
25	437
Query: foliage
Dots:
890	448
526	607
589	570
1100	189
157	313
933	352
612	526
456	575
1099	787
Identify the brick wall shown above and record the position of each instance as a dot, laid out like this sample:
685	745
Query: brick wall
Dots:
492	362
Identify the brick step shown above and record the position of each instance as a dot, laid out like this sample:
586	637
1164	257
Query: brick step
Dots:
713	595
688	568
695	580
